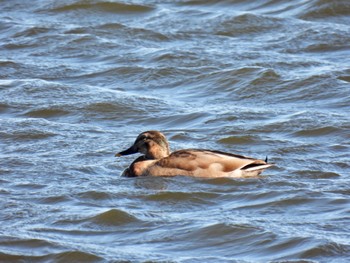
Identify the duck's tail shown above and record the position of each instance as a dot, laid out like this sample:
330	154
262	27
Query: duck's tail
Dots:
256	168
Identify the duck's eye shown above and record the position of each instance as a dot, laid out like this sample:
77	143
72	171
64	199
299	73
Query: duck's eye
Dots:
142	138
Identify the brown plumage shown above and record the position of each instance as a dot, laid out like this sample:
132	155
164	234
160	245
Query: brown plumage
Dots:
158	161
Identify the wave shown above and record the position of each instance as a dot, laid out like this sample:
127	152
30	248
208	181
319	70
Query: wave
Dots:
29	249
102	6
68	102
248	24
311	39
304	9
323	9
318	132
240	139
109	218
113	217
67	256
24	129
326	250
129	31
317	174
47	113
191	198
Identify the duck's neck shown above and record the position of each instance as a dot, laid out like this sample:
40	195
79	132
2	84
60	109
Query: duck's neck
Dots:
158	152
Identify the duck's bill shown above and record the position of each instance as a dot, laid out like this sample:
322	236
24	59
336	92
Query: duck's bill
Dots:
129	151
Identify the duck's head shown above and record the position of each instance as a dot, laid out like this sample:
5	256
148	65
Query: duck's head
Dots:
152	144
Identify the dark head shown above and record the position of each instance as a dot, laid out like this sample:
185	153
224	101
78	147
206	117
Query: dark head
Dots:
152	144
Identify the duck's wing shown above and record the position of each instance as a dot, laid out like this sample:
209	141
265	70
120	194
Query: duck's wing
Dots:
206	163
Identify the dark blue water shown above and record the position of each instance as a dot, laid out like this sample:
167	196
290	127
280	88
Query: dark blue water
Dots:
79	80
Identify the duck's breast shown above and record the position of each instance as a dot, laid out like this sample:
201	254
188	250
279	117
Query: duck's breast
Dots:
141	168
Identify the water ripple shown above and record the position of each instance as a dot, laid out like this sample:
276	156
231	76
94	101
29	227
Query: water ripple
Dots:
103	6
81	78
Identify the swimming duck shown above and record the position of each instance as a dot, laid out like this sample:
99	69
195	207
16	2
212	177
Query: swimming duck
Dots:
158	161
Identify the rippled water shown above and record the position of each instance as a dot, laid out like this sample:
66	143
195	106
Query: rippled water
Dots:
79	79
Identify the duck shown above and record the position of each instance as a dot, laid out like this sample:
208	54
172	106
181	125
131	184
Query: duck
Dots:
157	160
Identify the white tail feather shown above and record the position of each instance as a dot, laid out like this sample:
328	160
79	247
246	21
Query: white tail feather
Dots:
258	167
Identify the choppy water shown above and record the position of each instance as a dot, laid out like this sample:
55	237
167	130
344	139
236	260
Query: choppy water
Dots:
79	79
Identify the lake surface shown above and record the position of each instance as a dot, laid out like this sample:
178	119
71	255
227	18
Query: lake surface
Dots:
80	79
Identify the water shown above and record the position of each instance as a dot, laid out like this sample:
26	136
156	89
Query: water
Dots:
79	80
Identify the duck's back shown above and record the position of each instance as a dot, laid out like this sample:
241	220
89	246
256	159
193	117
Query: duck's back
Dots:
207	163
